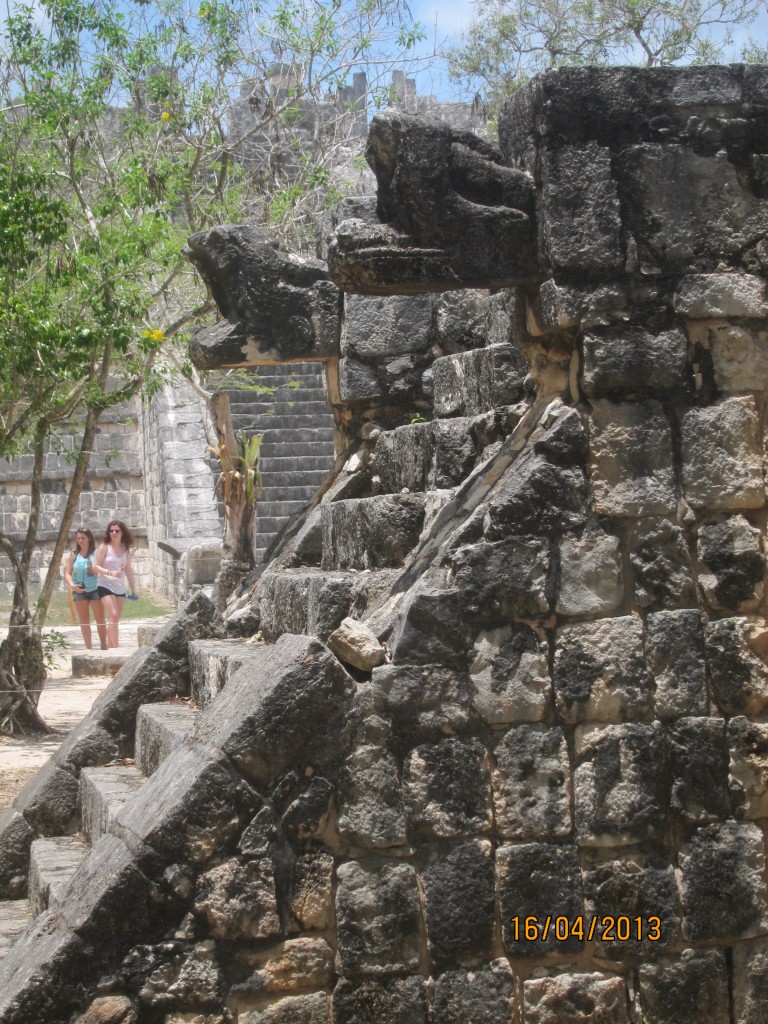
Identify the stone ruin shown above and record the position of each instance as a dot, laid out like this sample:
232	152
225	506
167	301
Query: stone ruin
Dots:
486	740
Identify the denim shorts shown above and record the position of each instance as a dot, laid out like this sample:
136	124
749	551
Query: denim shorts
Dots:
106	592
92	595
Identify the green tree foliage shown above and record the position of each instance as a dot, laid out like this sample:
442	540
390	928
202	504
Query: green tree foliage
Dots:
511	40
120	138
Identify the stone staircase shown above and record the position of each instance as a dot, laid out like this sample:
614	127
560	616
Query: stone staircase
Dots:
297	450
363	543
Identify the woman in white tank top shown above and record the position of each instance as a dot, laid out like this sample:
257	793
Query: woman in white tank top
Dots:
113	564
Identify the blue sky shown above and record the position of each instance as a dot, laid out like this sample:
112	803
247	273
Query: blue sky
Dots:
448	20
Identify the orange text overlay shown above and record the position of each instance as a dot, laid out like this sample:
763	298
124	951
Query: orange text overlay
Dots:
601	929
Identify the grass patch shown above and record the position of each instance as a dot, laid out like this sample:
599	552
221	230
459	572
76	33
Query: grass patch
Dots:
149	606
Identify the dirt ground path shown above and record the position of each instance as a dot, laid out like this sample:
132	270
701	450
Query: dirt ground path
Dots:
65	701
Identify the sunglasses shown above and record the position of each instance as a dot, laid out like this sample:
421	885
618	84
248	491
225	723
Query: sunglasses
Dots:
116	530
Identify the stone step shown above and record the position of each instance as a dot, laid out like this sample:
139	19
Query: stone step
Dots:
314	602
371	533
277	465
212	663
276	492
159	729
103	791
52	862
286	422
281	509
98	663
302	403
300	434
15	917
313	448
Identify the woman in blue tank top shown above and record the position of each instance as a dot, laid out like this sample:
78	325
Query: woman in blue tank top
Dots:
83	580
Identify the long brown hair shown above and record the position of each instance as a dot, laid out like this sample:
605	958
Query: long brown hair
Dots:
91	542
127	536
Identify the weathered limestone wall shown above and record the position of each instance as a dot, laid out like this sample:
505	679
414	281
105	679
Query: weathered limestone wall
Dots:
184	527
114	490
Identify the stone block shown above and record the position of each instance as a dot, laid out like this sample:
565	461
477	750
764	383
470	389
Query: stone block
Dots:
688	211
736	651
50	801
377	326
371	533
732	560
109	899
212	663
577	998
355	644
380	1002
621	784
454	452
674	648
739	358
702	296
722	455
504	580
403	457
541	881
446	789
723	883
289	701
579	215
560	306
532	784
371	811
431	628
699	765
52	864
484	995
661	563
600	673
159	728
591	575
303	1009
295	601
310	893
309	804
630	361
198	620
537	497
640	889
16	836
460	319
238	901
691	987
103	792
750	981
469	383
631	459
748	773
460	904
378	917
189	810
419	698
358	382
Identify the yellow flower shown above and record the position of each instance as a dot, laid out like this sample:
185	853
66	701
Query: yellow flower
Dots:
154	334
165	116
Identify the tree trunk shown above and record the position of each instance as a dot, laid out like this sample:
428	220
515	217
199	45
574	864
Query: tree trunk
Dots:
22	663
73	503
